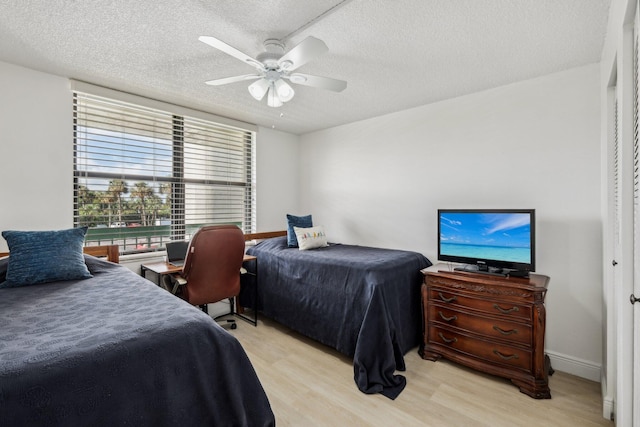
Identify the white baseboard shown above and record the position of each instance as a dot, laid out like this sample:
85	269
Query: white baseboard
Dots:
574	366
608	408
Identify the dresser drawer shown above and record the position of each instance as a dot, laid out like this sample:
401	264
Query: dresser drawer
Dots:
496	354
488	326
494	307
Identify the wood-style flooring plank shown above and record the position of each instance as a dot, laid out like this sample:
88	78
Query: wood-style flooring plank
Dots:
309	384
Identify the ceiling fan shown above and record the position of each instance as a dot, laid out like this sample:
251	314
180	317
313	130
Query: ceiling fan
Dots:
274	67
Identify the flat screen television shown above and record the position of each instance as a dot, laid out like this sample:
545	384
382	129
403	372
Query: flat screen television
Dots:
494	241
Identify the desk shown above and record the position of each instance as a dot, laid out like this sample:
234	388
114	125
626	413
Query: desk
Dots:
162	268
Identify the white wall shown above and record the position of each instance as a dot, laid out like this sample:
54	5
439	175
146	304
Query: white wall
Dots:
277	178
533	144
36	144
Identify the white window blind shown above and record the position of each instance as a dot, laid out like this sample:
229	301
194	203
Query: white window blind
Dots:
143	176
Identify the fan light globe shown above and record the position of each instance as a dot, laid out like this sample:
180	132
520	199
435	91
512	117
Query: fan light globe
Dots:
272	98
258	89
284	91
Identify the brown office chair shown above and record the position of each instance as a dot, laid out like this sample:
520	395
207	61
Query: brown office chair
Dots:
212	266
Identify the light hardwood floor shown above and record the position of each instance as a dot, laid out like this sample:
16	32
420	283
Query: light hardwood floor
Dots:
309	384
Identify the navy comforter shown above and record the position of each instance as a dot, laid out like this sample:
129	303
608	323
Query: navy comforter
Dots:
117	350
362	301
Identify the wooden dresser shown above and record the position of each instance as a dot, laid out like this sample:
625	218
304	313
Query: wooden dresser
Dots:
490	323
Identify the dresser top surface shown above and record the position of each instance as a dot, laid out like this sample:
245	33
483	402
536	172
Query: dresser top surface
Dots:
533	282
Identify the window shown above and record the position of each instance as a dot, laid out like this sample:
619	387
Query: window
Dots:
143	176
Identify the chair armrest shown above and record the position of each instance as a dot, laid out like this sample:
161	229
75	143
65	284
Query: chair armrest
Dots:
178	281
172	282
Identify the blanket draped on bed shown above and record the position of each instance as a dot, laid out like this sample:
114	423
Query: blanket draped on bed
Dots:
362	301
118	350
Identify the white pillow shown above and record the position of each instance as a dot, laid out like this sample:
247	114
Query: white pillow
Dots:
311	238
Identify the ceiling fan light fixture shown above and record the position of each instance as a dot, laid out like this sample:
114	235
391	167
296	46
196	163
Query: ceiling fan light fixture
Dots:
273	65
258	89
284	91
272	98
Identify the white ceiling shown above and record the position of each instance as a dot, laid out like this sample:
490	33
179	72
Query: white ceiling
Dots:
394	54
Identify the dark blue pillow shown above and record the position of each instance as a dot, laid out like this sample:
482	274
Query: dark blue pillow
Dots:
296	221
45	256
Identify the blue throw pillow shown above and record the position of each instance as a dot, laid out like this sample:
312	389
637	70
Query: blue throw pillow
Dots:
296	221
45	256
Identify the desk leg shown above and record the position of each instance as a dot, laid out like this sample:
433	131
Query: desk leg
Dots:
239	312
255	297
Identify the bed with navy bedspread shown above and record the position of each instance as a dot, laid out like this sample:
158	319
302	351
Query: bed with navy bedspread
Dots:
362	301
117	350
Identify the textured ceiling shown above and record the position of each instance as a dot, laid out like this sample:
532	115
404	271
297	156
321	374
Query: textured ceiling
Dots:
393	54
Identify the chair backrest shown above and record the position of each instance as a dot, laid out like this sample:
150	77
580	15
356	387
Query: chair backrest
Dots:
213	262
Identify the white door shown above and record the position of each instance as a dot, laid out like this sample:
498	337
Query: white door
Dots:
622	230
624	210
623	263
633	298
627	246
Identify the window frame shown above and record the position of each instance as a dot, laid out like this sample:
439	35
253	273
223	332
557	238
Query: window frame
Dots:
180	117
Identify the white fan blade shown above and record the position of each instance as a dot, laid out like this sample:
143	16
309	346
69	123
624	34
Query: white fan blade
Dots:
232	51
317	81
227	80
302	53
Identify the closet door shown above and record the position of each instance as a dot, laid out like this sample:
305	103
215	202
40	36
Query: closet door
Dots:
623	229
621	271
627	242
633	299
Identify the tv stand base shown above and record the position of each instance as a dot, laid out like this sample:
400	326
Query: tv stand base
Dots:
492	271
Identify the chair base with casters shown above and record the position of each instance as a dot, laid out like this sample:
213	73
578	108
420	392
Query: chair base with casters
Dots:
172	284
231	322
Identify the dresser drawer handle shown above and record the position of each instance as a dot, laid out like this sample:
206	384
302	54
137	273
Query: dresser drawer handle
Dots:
505	311
503	332
448	341
447	319
445	299
505	357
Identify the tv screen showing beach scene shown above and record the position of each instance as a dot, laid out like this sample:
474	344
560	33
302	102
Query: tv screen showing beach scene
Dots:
500	236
